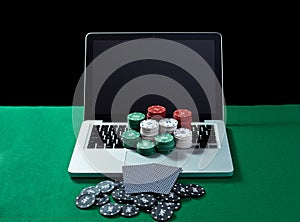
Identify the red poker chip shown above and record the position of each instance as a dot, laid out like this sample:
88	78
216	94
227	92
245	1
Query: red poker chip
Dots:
160	114
156	117
182	113
156	109
184	119
186	126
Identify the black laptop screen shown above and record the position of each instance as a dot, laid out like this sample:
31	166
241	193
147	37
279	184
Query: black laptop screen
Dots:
129	72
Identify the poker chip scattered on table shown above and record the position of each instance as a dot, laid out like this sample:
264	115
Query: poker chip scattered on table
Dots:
84	201
134	120
101	200
146	147
117	195
119	185
195	190
144	200
171	197
106	186
129	210
181	190
173	205
130	138
161	212
183	138
110	209
91	190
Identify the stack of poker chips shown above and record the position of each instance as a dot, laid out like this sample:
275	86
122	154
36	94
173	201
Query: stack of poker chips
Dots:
146	148
167	125
134	120
183	138
130	139
156	112
184	118
165	143
149	129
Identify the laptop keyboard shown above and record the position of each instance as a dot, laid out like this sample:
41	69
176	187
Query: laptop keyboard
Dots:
109	136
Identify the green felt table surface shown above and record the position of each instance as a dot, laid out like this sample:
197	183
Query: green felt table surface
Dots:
37	144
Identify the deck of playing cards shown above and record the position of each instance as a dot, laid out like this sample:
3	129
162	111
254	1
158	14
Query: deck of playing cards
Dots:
153	177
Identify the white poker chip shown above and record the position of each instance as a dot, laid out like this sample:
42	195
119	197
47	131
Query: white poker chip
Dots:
149	124
182	133
168	123
149	129
183	138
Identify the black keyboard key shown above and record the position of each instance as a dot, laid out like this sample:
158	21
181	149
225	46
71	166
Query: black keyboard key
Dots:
91	145
100	145
212	141
203	144
109	146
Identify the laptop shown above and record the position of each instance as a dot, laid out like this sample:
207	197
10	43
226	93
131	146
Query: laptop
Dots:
128	72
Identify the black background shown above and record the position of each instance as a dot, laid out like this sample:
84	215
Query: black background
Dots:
42	64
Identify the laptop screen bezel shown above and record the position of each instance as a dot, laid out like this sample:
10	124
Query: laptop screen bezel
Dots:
89	114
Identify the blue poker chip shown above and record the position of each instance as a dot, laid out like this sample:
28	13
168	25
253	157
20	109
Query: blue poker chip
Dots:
110	209
84	201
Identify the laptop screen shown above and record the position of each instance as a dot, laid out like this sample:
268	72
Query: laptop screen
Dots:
128	72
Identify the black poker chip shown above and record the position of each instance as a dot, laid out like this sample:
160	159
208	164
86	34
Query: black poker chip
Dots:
173	205
195	190
110	209
84	201
129	210
119	185
101	200
91	190
125	197
106	186
120	196
147	209
171	197
158	196
117	194
181	190
144	200
161	213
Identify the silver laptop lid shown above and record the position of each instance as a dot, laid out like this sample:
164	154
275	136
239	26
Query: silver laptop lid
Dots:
128	72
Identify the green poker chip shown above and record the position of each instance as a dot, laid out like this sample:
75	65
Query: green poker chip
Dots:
134	120
130	135
164	138
146	147
165	143
130	138
135	117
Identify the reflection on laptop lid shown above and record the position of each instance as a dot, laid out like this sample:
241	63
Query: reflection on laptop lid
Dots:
147	81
